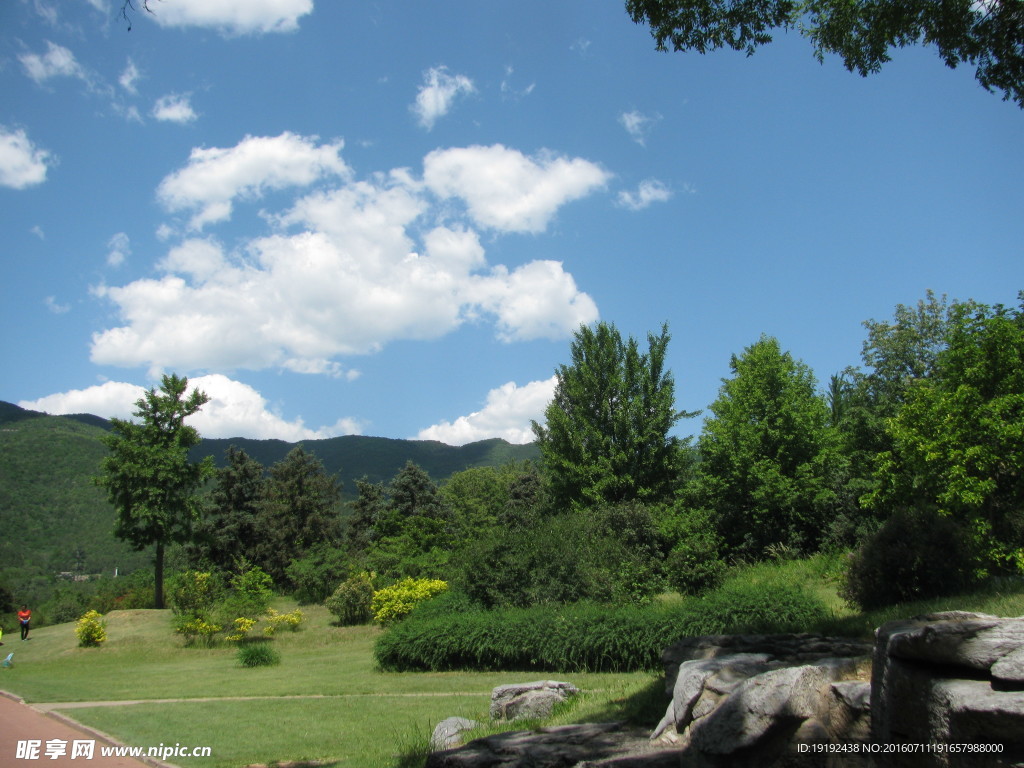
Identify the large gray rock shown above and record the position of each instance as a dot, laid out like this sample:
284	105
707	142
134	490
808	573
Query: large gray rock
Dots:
448	733
949	679
520	701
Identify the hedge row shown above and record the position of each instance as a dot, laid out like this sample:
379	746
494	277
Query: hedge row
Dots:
446	635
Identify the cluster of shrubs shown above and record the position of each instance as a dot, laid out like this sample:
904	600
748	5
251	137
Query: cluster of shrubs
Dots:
355	601
204	605
450	632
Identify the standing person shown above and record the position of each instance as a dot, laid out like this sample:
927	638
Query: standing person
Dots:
24	617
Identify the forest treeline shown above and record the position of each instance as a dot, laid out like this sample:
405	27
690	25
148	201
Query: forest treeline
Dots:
912	461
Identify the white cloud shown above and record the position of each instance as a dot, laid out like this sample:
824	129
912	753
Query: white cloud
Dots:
346	270
506	190
235	410
119	249
507	414
638	125
214	177
174	108
58	61
650	191
53	306
437	94
21	163
509	90
129	77
233	17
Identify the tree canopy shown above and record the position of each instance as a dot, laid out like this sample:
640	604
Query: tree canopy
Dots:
987	34
148	476
606	432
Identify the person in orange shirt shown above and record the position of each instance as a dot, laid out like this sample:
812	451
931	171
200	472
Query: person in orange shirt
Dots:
24	617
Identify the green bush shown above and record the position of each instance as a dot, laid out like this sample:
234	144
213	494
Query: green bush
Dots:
694	564
196	630
194	593
91	630
317	573
352	599
916	555
251	591
395	602
258	655
585	636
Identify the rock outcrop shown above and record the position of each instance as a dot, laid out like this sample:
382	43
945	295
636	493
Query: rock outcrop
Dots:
522	701
950	679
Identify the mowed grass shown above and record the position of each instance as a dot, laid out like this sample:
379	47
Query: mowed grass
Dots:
325	701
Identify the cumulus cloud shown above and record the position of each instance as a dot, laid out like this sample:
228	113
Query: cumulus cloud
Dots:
214	177
345	270
638	125
506	190
508	411
438	93
649	191
58	61
234	17
22	164
174	108
235	410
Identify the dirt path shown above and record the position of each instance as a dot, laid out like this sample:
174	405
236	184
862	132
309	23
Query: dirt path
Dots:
20	722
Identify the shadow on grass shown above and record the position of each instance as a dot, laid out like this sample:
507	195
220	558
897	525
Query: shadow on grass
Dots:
643	708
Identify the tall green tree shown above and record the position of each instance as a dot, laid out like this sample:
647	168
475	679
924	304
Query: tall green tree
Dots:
958	442
301	507
606	432
230	527
767	453
148	475
988	35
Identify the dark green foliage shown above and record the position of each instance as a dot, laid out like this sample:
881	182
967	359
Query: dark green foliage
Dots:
917	554
606	431
230	527
317	573
585	636
767	454
261	654
351	601
608	555
694	562
301	506
148	476
863	34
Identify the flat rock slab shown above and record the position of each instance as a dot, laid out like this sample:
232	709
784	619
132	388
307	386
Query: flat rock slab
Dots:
529	700
596	745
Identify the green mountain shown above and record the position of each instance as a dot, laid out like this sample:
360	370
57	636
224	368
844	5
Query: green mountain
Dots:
55	519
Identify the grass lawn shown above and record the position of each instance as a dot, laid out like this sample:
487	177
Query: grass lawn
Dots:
342	709
327	701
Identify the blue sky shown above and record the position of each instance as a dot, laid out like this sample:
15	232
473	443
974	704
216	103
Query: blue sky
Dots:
388	218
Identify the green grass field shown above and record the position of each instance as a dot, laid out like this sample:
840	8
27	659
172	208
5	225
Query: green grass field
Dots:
327	701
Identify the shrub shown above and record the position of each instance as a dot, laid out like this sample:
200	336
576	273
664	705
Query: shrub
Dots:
91	630
258	655
917	554
243	626
584	636
395	602
194	593
195	629
352	599
694	564
252	589
276	621
317	573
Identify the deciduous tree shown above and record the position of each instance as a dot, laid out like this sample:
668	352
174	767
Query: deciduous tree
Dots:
987	34
148	475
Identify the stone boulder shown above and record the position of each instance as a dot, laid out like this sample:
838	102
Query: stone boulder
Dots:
521	701
951	678
448	733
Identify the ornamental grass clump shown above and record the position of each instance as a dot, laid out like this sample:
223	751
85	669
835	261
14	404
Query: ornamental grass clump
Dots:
258	655
91	630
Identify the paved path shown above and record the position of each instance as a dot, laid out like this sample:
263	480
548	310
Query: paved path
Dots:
21	722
